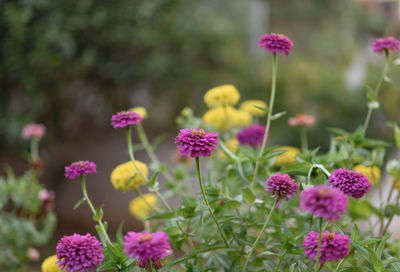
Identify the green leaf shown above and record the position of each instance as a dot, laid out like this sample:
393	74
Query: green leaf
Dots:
376	262
164	215
98	214
355	269
153	179
278	115
80	202
381	245
355	235
297	167
371	95
248	195
119	233
109	265
396	132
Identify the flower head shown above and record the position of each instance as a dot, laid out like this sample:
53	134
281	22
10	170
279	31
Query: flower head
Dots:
126	176
281	186
47	199
289	157
252	107
373	173
382	45
196	142
223	118
301	120
125	118
252	135
350	182
49	264
276	43
141	207
334	246
224	95
33	254
141	111
79	253
35	131
79	168
147	246
324	201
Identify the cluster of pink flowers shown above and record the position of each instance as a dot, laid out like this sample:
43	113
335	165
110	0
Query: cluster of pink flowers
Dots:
350	182
302	120
382	45
276	43
36	131
125	118
252	135
281	186
196	142
80	168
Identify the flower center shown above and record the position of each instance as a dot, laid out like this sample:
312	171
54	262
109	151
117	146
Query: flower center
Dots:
144	237
198	132
329	235
324	191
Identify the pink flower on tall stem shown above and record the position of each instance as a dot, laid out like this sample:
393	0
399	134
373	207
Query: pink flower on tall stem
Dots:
80	168
252	135
301	120
350	182
125	118
281	186
276	43
196	142
35	131
382	45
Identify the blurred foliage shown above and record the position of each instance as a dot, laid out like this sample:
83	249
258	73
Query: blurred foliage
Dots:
25	222
72	63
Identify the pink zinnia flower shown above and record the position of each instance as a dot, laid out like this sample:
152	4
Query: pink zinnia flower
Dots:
252	135
147	247
334	246
324	201
281	186
276	43
47	198
80	168
381	45
350	182
125	118
36	131
196	142
79	253
301	120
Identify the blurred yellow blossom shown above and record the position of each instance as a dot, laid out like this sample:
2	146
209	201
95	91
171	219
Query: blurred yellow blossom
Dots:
141	110
224	95
123	173
223	118
141	206
397	184
373	173
251	107
49	264
288	157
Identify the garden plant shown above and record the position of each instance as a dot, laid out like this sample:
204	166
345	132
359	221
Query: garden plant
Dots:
246	205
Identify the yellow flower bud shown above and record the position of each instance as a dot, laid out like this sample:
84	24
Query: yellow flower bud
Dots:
125	176
250	106
140	207
288	157
224	95
141	111
49	265
373	173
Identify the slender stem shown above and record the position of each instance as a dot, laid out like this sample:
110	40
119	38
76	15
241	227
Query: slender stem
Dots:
303	138
208	204
391	190
317	265
87	199
34	149
270	109
377	88
392	215
140	194
260	234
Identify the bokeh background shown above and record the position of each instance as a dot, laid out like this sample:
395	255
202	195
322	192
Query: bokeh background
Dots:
72	64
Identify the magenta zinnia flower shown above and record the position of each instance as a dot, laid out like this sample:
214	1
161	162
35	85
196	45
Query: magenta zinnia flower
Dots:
147	246
36	131
196	142
80	168
252	135
324	201
125	118
350	182
79	253
334	246
301	120
281	186
276	43
381	45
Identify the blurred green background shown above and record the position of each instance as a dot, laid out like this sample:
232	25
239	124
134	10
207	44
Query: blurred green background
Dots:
72	64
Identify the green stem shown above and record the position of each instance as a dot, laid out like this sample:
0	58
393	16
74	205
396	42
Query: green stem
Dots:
34	149
87	199
317	265
140	194
270	109
208	204
377	88
392	215
260	234
303	137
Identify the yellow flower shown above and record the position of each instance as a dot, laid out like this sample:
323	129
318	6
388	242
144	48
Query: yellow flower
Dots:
123	173
231	144
141	110
224	95
373	173
223	118
250	107
140	207
288	157
49	264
